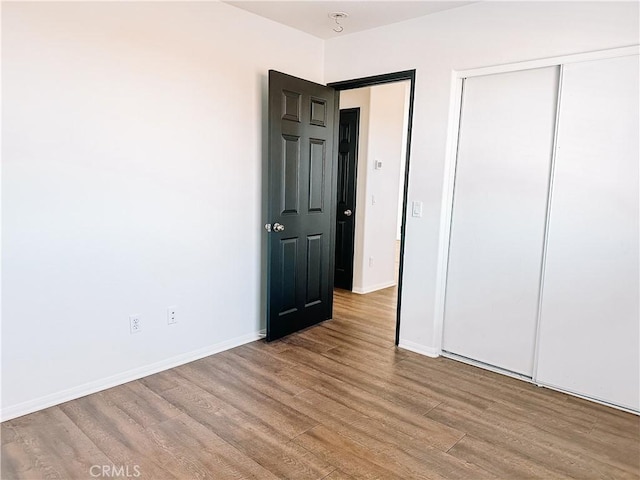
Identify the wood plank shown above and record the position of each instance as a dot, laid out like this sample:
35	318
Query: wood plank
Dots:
393	417
8	433
51	446
383	438
563	457
367	380
347	455
241	394
144	406
202	454
423	463
124	441
18	462
338	475
255	439
500	461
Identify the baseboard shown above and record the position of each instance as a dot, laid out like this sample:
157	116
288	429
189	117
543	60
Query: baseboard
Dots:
24	408
373	288
418	348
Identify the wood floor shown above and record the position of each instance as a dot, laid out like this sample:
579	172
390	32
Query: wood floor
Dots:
337	401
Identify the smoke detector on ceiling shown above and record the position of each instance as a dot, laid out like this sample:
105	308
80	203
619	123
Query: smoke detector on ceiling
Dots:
338	17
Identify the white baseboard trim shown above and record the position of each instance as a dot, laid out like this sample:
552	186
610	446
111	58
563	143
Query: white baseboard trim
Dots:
30	406
418	348
373	288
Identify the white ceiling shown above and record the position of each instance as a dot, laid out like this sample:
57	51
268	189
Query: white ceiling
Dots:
312	16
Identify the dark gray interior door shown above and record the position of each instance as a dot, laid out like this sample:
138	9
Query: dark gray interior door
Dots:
301	204
348	129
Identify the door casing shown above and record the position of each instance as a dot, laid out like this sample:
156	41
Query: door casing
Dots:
380	80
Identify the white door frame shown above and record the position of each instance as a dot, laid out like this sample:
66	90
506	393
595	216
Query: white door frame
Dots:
455	103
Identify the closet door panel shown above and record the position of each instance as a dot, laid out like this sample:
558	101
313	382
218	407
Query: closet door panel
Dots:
589	332
499	213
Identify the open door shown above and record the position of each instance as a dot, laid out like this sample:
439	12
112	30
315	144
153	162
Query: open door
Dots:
348	132
301	204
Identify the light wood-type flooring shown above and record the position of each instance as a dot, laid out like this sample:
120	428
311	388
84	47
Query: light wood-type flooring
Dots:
336	401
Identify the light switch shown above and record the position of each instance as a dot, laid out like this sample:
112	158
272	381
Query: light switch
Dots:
378	164
416	209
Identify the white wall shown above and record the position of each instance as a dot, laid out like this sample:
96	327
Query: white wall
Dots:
386	122
132	145
382	131
481	34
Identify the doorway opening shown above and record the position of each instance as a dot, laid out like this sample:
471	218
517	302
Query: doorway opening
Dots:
301	183
374	138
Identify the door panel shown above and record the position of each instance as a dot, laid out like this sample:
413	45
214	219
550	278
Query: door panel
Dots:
314	270
346	196
289	259
302	116
290	174
318	112
497	231
589	327
317	159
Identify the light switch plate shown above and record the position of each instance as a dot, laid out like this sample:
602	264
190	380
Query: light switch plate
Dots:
416	209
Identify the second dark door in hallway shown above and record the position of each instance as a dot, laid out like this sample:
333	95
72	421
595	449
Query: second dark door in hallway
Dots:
346	193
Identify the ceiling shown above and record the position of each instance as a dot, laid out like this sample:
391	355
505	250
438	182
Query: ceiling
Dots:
312	16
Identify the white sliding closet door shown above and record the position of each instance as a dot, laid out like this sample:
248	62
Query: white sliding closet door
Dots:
499	213
589	332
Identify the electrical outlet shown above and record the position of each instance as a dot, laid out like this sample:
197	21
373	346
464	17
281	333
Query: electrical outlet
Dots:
172	315
135	323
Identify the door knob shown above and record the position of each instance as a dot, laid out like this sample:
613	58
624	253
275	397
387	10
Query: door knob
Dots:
278	227
348	213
